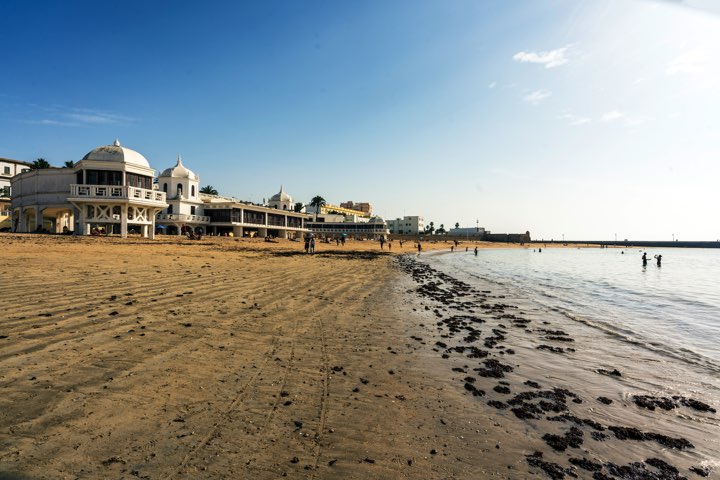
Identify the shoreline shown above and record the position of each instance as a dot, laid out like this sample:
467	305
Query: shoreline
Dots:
183	359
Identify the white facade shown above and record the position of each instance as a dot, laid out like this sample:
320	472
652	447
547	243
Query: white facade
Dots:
182	187
188	210
109	190
8	169
331	225
412	225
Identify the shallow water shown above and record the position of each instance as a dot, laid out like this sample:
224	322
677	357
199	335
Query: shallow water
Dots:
673	309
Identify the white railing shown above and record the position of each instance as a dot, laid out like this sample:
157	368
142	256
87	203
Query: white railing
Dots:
118	192
182	217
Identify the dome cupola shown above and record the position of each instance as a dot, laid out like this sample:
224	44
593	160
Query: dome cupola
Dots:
116	153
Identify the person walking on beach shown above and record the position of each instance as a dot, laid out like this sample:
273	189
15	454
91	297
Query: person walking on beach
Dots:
644	259
312	246
419	248
307	244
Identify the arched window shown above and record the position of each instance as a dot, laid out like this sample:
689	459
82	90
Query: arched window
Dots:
179	190
165	187
192	190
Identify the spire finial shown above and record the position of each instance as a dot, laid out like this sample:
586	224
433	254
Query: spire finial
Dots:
116	143
179	161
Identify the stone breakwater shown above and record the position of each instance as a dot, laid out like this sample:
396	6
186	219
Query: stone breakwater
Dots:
476	325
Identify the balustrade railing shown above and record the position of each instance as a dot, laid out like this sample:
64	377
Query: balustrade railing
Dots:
118	192
182	217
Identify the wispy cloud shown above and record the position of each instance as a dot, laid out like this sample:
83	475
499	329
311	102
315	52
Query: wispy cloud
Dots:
551	59
537	96
612	116
79	117
492	85
690	63
574	120
623	119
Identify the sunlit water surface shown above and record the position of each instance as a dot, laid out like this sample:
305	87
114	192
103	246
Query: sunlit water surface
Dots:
673	309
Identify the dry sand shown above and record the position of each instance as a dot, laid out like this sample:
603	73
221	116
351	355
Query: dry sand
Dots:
222	359
230	358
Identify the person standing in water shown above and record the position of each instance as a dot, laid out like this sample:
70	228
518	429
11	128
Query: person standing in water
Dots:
659	258
476	251
644	259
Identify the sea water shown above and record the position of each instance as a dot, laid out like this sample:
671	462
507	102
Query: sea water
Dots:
672	309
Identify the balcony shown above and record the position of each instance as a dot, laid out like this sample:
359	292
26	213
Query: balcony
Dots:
116	192
182	217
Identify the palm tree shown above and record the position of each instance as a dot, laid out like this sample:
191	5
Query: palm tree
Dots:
432	227
298	207
317	202
457	224
69	164
208	190
441	230
39	164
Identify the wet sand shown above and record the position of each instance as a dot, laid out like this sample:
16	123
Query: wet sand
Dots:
230	358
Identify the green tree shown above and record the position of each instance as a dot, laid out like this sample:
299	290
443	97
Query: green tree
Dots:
208	190
69	164
317	202
457	224
432	228
298	207
440	230
40	164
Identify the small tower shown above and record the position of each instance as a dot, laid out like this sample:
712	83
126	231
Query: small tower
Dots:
281	201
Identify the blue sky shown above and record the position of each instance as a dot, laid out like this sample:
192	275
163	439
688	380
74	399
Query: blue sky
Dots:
583	119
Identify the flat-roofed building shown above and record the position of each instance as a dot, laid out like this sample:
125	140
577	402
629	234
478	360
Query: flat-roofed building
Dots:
8	169
334	226
364	207
408	225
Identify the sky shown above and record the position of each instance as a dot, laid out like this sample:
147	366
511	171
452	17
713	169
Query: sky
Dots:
583	120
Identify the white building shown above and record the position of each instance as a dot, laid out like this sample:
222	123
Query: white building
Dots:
189	210
110	190
412	225
336	225
8	169
182	187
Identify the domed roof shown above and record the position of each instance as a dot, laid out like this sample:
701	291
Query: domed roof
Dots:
376	219
281	196
116	153
179	171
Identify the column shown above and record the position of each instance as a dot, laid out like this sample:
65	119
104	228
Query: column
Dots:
38	218
123	221
237	231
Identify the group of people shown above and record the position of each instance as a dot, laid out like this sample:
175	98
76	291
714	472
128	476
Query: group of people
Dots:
645	259
310	245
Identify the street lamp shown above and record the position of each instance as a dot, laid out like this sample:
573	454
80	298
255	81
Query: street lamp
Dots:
673	237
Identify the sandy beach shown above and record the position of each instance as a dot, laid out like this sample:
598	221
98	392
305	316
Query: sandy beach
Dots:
230	358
